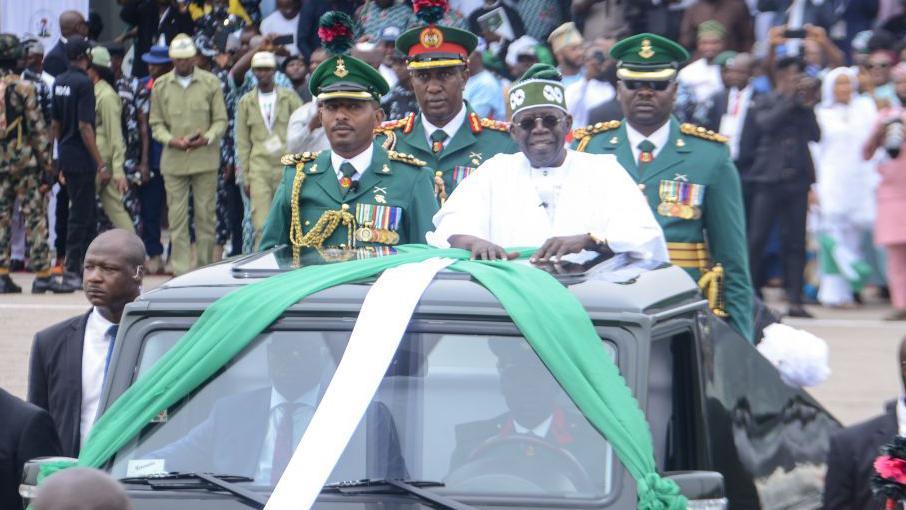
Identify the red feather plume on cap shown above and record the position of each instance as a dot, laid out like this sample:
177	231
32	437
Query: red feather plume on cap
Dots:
430	11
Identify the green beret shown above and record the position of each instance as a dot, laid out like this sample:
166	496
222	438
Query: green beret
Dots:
648	57
345	77
540	86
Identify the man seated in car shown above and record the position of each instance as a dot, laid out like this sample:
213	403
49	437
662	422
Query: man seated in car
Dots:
255	433
541	437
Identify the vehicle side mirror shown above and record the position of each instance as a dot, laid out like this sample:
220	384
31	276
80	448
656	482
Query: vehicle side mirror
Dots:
29	484
703	489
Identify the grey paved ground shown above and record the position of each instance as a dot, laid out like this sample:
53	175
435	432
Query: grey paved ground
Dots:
863	347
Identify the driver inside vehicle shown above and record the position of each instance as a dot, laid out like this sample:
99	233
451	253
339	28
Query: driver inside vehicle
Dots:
255	433
541	444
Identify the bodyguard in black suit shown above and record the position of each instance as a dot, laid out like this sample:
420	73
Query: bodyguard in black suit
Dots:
71	23
57	375
27	432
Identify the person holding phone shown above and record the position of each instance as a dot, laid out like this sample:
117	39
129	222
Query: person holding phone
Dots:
188	117
284	22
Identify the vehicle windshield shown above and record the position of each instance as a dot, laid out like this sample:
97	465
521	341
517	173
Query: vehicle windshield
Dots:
479	413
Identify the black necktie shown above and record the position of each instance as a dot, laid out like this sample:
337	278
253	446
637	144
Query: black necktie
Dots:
437	140
346	181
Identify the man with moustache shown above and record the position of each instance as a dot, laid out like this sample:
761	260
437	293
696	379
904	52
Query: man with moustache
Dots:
357	194
685	172
447	134
546	195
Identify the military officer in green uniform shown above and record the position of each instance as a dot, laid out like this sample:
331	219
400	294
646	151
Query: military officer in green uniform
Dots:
684	171
357	194
447	134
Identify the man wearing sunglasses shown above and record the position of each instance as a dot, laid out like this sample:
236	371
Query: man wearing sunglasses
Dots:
448	135
563	201
684	171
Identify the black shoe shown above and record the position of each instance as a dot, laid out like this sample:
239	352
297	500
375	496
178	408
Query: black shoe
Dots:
8	286
799	311
71	282
41	285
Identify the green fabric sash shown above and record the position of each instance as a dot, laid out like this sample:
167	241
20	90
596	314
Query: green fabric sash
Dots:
565	341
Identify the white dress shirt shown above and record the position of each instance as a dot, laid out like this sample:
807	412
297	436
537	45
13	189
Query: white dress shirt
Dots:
540	430
267	103
500	202
659	138
301	417
451	128
361	162
732	122
184	81
703	78
94	357
275	23
299	137
583	95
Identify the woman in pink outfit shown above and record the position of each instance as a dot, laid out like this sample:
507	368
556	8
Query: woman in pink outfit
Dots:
890	225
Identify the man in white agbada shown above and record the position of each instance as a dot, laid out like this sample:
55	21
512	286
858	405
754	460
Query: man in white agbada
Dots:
563	201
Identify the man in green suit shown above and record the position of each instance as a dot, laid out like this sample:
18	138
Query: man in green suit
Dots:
357	194
447	134
684	171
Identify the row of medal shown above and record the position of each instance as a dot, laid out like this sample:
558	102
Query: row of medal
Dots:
680	199
378	223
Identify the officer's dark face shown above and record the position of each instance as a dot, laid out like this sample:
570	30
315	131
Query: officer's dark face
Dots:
265	77
646	107
349	124
529	392
110	280
540	134
158	70
439	92
184	66
296	366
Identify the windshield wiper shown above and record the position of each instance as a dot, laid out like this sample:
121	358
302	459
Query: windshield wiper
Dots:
411	487
172	481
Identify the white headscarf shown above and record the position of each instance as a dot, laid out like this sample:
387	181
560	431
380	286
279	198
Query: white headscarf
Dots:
827	85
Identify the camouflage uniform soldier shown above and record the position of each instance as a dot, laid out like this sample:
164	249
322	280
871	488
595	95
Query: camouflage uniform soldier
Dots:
24	153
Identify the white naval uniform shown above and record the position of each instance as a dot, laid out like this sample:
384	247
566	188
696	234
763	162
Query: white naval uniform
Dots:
511	204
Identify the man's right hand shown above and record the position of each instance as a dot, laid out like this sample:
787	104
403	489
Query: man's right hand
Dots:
481	249
104	175
178	143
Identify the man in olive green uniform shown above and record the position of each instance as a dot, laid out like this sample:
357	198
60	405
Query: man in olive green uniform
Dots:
188	117
109	139
685	172
262	117
24	157
356	195
447	134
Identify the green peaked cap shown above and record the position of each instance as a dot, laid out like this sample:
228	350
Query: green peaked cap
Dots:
648	57
345	77
540	86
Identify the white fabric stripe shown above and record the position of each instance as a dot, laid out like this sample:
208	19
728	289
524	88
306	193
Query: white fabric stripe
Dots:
375	338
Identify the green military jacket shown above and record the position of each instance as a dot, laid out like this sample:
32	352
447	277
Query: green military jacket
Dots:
25	145
182	112
393	204
259	148
109	127
694	190
474	143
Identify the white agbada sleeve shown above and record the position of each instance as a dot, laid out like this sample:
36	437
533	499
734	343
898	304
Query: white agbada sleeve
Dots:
467	211
623	217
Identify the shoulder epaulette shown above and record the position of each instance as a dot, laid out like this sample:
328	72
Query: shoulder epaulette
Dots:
496	125
596	128
700	132
405	124
300	157
405	158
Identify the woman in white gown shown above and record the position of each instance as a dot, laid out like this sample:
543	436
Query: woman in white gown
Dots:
845	182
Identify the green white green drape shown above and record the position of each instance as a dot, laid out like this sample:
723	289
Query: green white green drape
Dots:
550	318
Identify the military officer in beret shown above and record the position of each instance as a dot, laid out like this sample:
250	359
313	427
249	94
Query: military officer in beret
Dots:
447	133
560	200
685	172
357	194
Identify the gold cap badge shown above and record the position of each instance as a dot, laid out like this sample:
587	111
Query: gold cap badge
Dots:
646	51
431	37
340	71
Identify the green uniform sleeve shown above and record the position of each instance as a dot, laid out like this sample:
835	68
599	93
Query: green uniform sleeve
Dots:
218	116
111	113
423	206
276	226
725	226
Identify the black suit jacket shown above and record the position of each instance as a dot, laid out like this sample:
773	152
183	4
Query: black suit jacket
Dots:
55	378
55	62
27	432
605	112
145	15
847	485
775	149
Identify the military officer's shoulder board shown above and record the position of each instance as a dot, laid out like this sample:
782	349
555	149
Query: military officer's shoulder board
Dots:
704	133
496	125
300	157
584	134
405	158
405	124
